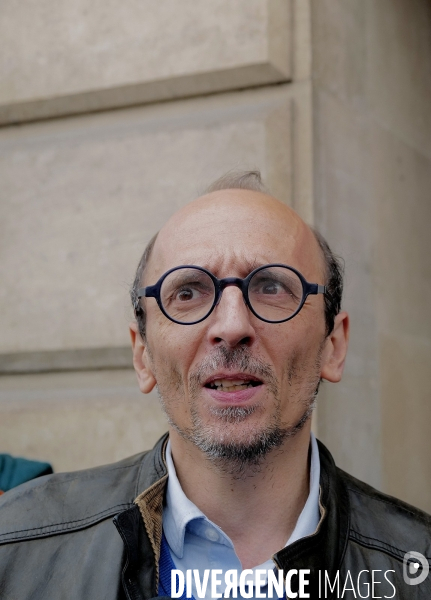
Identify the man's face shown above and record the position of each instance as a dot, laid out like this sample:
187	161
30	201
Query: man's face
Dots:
234	381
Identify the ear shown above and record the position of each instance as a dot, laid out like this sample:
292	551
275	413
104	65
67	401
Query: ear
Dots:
141	360
334	353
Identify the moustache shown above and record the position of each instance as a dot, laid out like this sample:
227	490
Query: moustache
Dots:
235	359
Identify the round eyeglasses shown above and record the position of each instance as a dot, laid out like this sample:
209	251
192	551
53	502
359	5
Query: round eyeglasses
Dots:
188	294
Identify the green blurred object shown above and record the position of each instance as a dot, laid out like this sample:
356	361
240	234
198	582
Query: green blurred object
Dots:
14	471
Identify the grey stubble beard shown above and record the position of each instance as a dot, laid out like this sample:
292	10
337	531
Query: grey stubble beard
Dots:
242	458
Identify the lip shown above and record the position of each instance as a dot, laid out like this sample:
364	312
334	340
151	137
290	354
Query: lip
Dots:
231	376
237	397
234	398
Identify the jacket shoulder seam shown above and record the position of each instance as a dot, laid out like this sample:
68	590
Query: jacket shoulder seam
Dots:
62	526
104	469
58	479
376	544
399	505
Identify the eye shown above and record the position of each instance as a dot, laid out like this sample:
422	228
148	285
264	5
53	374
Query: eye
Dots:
187	293
268	285
275	285
187	290
190	293
271	287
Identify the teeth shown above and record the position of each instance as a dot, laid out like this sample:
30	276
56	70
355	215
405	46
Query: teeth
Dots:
230	385
229	382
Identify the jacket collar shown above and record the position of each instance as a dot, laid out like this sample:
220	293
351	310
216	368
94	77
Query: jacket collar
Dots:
141	529
324	550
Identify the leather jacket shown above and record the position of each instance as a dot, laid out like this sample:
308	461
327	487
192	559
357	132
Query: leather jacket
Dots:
96	534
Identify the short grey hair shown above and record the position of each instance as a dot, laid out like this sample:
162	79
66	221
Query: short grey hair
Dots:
252	180
238	180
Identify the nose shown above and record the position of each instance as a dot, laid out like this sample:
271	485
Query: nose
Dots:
230	321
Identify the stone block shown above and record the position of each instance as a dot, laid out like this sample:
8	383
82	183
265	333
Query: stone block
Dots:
376	56
401	183
82	196
399	69
301	40
349	419
406	411
64	58
372	149
340	49
372	202
78	420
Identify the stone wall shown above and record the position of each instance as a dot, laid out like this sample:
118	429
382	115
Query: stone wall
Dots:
372	178
113	116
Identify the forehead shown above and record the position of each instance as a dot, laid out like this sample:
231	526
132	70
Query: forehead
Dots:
231	232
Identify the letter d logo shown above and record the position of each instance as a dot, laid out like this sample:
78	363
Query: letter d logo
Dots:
415	568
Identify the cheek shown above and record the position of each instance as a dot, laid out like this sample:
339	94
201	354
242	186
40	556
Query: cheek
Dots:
297	350
171	384
171	351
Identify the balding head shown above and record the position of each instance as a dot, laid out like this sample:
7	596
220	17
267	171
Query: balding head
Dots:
230	221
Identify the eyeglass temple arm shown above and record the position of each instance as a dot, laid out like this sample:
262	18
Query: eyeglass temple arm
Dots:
150	291
316	288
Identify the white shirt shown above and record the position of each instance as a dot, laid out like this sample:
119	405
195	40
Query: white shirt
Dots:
196	542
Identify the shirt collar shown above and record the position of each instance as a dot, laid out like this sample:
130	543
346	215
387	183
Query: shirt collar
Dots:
180	511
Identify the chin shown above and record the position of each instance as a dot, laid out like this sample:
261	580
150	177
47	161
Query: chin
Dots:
238	453
235	442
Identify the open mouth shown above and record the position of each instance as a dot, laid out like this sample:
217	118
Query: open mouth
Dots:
232	385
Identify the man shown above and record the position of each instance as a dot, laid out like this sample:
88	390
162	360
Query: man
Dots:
238	319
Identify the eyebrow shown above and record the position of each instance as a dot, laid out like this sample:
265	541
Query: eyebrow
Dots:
253	264
245	262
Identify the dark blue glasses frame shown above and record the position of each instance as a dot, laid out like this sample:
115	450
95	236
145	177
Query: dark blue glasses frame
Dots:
153	291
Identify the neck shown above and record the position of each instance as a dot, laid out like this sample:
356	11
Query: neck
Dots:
259	509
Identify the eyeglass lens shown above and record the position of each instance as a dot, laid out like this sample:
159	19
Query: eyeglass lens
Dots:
187	295
275	293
